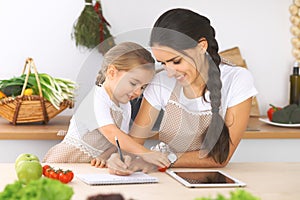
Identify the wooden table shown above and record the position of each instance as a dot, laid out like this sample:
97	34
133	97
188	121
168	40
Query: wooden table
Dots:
269	181
256	130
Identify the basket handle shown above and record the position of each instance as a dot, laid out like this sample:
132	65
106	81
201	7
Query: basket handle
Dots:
30	64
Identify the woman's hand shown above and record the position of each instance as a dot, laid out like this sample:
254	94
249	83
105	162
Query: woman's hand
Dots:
138	164
157	158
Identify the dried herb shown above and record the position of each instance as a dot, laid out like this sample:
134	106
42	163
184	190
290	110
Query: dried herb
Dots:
91	28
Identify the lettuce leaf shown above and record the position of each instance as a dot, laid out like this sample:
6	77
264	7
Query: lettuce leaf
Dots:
41	189
238	194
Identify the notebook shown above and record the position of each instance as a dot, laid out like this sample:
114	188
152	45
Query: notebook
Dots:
109	179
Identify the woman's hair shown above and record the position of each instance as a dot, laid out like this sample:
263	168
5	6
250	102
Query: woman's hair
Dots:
182	29
125	56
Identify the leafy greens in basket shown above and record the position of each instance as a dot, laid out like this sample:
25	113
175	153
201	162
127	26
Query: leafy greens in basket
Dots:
55	90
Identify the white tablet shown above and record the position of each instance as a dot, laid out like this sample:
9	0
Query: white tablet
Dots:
204	178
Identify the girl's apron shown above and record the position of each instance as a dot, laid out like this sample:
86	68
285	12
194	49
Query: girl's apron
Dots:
74	150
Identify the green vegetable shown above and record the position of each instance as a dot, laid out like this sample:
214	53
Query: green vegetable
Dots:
41	189
284	115
295	116
55	90
238	194
12	90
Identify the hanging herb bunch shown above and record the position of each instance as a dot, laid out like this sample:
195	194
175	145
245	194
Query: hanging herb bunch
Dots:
91	28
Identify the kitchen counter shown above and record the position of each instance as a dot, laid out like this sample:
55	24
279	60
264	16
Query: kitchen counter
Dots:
269	181
256	130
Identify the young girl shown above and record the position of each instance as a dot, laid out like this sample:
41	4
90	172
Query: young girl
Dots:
105	112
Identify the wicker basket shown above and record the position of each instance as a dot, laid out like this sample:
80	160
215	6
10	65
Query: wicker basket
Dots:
33	108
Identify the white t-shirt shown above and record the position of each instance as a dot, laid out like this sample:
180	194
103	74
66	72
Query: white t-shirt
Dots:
94	112
237	86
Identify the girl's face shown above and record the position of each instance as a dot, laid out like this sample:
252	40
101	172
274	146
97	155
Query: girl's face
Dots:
177	65
128	85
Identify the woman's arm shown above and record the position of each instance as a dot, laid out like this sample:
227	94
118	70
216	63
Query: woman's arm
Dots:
129	145
144	122
236	119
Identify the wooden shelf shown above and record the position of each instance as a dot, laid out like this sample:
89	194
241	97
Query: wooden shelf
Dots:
260	130
38	131
34	131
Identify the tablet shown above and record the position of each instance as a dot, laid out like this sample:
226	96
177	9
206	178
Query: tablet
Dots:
204	178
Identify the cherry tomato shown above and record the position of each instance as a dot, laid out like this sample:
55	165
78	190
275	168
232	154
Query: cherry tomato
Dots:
47	172
53	174
70	174
162	169
271	111
66	177
45	168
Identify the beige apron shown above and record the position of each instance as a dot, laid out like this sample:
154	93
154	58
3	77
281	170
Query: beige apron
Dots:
91	145
180	128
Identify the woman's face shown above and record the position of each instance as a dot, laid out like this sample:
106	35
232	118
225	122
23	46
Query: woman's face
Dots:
177	65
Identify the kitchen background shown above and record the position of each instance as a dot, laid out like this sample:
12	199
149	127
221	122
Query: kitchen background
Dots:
42	30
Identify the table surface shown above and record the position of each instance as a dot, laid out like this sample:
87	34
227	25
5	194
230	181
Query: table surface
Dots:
269	181
38	131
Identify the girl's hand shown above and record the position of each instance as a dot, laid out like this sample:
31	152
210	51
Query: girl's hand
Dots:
157	158
116	166
98	162
101	160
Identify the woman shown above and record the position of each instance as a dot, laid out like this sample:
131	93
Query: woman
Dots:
206	102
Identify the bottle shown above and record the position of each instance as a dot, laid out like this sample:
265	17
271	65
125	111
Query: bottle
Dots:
295	85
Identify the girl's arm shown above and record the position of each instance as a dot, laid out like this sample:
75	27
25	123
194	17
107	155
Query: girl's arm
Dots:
236	119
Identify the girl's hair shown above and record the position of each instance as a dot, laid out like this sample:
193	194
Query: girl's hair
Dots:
181	29
125	56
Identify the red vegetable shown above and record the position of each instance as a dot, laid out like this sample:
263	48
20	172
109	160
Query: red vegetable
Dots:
64	176
272	110
46	170
162	169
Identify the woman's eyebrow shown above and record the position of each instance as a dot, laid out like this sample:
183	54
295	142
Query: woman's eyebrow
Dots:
169	59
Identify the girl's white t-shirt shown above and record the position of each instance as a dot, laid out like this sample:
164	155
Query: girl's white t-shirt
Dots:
237	86
94	112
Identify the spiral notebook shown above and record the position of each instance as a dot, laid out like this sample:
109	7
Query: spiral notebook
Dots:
109	179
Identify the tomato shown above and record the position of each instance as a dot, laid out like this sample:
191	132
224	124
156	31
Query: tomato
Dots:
53	174
271	111
66	177
45	169
71	174
162	169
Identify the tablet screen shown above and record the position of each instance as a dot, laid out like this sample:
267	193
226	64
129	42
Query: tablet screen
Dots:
204	177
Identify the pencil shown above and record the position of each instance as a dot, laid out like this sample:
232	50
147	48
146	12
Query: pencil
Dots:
119	149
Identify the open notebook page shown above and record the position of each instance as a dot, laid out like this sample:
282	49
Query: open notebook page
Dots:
105	179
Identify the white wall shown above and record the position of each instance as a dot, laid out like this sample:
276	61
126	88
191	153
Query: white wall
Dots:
42	30
249	150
